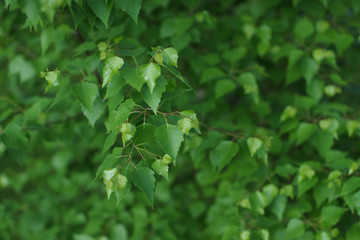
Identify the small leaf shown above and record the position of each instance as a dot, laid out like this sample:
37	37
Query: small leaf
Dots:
109	161
304	131
114	86
258	202
352	126
132	77
153	99
161	168
254	144
294	229
166	159
322	235
15	137
115	63
331	90
51	78
109	174
144	133
101	9
223	154
304	28
97	111
121	114
278	206
132	7
170	56
86	93
353	167
150	72
127	132
294	57
271	191
102	46
289	112
111	67
185	125
170	138
110	140
309	68
350	185
223	87
330	215
248	82
143	178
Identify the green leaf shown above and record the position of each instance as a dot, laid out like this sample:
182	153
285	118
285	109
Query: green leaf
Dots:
114	86
84	47
127	132
322	235
101	9
25	70
115	63
111	67
248	81
309	68
294	229
170	138
132	7
223	87
330	215
143	178
234	55
210	74
304	131
278	206
144	133
331	90
343	41
96	112
289	112
231	233
64	90
32	11
114	182
223	153
254	144
304	28
15	137
150	72
132	77
110	140
352	200
185	125
153	99
352	126
161	168
294	56
51	78
178	75
170	56
353	232
78	14
271	191
350	185
188	121
121	114
109	162
258	202
86	93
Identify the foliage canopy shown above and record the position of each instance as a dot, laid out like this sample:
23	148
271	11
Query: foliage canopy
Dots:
197	119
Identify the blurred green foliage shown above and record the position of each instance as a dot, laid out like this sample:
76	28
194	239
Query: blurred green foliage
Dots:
269	149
